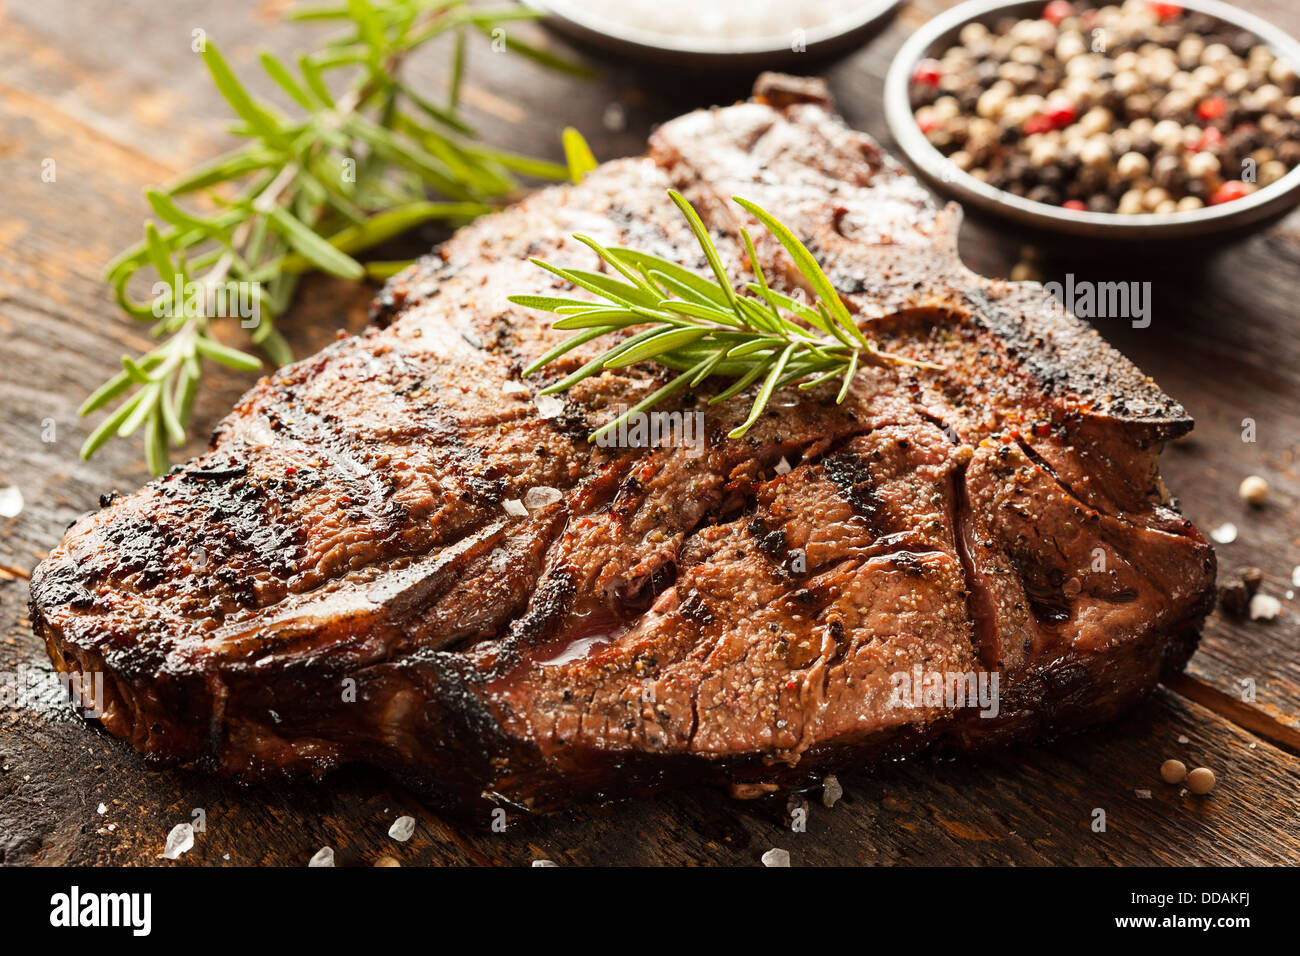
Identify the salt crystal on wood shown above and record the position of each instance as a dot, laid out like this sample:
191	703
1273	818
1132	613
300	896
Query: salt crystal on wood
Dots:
403	829
324	857
1264	607
11	502
179	841
1225	533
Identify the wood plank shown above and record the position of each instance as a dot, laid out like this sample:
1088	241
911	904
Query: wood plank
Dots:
1030	806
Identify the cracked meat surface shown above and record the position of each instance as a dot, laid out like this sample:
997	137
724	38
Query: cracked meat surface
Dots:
338	580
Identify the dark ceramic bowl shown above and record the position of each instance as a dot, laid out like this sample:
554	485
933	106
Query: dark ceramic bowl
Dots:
837	36
1235	217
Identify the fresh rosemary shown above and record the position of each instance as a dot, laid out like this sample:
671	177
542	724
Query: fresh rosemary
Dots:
704	327
304	193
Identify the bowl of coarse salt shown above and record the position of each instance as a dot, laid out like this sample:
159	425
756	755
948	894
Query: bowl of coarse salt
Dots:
718	33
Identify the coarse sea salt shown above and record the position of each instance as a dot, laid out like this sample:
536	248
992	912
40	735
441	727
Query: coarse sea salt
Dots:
102	809
541	496
724	23
259	434
614	118
515	507
514	388
548	406
1264	607
1225	533
179	841
776	857
403	829
324	857
1295	575
544	863
782	467
11	502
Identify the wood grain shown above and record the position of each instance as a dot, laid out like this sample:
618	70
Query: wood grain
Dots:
124	103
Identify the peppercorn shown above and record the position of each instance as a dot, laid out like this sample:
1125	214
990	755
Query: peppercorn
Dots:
1173	771
1159	122
1201	781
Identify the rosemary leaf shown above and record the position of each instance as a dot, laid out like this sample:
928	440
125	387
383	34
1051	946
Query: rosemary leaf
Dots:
315	249
578	154
704	329
353	168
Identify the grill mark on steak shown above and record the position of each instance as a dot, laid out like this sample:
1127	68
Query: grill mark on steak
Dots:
653	622
854	482
1032	454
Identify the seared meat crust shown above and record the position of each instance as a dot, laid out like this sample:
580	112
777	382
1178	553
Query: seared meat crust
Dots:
337	579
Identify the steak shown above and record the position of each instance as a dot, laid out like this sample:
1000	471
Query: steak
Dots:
345	576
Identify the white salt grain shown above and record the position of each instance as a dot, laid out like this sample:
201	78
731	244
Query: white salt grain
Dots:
544	863
515	507
1183	740
782	467
1295	575
102	809
719	24
179	841
548	406
1264	607
324	857
541	496
1225	533
514	388
776	857
614	118
259	434
11	502
402	829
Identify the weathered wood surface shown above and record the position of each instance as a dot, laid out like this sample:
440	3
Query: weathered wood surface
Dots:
120	102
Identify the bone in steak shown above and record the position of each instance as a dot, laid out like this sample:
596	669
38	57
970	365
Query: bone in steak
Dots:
337	579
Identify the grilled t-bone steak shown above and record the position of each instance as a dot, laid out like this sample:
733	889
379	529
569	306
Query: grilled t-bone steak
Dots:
337	579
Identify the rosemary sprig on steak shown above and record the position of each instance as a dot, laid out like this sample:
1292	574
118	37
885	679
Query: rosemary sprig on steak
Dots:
704	327
307	191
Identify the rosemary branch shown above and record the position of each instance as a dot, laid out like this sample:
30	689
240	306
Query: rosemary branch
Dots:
304	193
703	327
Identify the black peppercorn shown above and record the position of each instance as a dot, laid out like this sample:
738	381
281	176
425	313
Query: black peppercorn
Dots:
1045	194
1010	127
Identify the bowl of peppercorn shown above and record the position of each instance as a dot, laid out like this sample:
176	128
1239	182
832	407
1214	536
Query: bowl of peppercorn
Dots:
1142	120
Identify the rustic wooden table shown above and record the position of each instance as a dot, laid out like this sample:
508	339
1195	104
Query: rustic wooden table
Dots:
115	97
